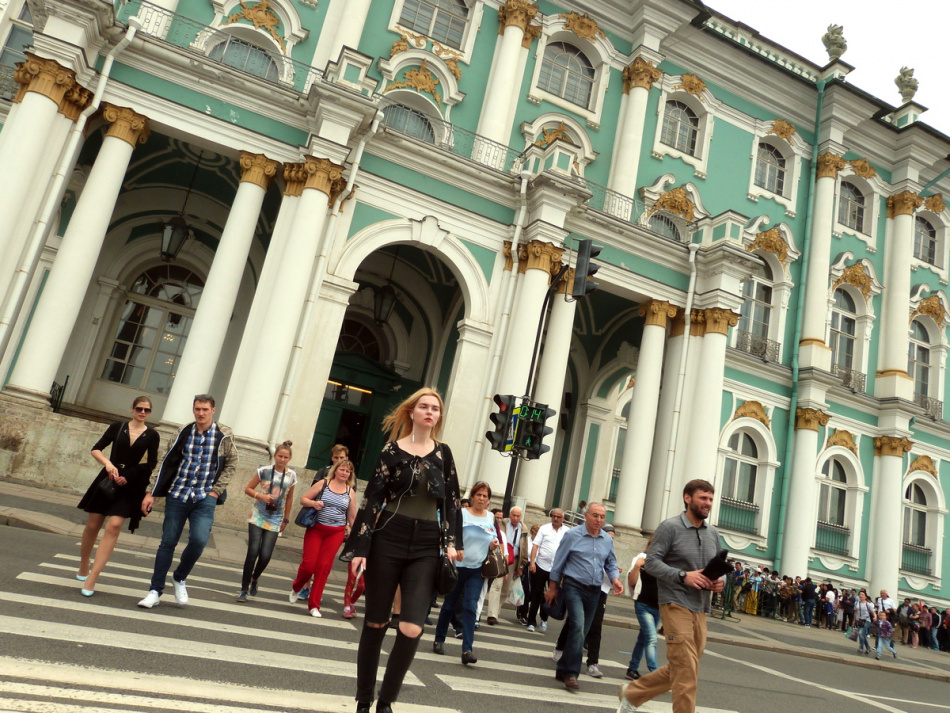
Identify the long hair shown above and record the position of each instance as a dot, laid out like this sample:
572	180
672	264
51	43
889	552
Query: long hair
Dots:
339	464
398	424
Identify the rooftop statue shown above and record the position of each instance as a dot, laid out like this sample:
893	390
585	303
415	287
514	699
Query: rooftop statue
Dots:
906	84
834	42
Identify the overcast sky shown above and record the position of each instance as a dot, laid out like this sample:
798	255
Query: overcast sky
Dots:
882	37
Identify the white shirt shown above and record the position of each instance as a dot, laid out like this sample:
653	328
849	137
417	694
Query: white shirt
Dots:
547	541
830	596
879	604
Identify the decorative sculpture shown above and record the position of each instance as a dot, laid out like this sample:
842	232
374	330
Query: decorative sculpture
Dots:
906	84
834	42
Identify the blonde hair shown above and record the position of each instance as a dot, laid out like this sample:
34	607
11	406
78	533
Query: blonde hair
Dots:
285	446
398	424
331	474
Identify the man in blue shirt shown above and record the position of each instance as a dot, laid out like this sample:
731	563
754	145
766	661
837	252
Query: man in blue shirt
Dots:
586	552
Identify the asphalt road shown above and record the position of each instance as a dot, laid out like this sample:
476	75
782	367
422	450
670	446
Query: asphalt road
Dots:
61	653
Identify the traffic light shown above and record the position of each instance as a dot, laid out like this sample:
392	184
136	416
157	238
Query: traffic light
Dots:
585	269
531	429
501	437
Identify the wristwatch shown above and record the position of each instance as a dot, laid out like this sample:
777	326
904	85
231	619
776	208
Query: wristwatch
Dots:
682	575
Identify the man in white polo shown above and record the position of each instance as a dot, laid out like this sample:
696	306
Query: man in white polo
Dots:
543	547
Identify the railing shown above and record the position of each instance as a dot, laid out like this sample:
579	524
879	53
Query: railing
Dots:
631	210
738	516
850	378
832	538
762	347
56	393
916	559
932	407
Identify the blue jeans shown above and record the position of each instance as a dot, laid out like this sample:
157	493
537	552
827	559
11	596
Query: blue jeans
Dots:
200	517
649	619
863	632
808	609
882	643
581	603
468	589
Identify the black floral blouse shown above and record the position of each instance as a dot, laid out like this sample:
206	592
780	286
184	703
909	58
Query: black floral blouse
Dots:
399	474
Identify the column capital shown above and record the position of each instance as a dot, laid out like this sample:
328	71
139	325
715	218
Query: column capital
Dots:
718	320
75	101
256	168
697	323
539	255
892	445
293	179
810	419
516	12
828	165
656	312
567	280
126	124
640	73
43	76
678	323
509	257
903	203
325	176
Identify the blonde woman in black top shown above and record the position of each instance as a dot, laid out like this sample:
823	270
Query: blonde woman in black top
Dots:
415	480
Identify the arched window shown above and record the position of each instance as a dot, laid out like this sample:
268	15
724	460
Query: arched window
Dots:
152	329
851	204
409	121
20	37
680	127
246	57
925	241
442	20
664	225
755	315
618	454
917	554
843	331
738	509
359	338
566	72
918	359
833	533
770	169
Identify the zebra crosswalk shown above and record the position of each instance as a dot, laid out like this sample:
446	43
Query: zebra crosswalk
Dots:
63	653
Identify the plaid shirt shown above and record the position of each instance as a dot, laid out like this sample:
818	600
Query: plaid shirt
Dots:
195	476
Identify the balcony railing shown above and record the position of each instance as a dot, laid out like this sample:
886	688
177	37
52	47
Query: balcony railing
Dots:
738	516
762	347
932	407
832	538
850	378
916	559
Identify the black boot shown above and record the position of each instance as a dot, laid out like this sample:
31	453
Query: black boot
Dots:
400	658
367	663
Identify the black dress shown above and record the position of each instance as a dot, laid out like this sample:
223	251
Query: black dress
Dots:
128	459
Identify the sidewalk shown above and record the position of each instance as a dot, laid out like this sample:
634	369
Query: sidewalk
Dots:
27	506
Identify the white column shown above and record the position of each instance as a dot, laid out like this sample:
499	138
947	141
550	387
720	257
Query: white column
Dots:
887	504
213	316
534	475
268	367
75	261
641	422
263	294
638	78
814	351
343	27
513	20
801	506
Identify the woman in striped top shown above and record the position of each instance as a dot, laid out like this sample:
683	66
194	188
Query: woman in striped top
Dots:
336	507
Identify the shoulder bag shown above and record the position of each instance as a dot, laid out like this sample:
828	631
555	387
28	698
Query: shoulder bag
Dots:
496	562
307	517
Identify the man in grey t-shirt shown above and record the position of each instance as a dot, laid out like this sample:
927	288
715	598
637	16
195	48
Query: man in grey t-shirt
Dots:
681	548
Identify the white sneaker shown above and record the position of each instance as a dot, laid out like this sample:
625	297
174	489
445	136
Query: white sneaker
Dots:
594	671
625	705
556	656
316	613
530	627
181	593
151	599
544	626
293	595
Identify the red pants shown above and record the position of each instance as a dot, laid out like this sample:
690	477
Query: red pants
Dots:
320	545
354	588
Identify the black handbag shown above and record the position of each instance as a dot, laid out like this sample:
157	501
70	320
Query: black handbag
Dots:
108	488
446	576
307	517
496	563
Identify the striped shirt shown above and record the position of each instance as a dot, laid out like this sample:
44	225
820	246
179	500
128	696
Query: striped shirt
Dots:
195	476
680	546
335	505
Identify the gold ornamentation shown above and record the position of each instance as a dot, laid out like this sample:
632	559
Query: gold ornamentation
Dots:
453	58
532	33
584	26
420	79
931	307
697	323
676	201
43	76
453	64
782	129
845	439
753	409
539	255
719	320
903	203
892	446
509	259
924	463
828	165
256	168
678	323
935	203
566	285
656	312
75	102
400	45
325	176
126	124
692	85
771	241
856	275
862	168
263	18
631	382
640	74
810	419
548	136
294	177
516	12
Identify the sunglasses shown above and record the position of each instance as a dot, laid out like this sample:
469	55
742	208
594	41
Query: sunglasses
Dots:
142	409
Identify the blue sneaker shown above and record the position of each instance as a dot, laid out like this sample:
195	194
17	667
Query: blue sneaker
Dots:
304	593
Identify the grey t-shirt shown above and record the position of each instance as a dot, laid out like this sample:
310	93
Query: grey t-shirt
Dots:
678	545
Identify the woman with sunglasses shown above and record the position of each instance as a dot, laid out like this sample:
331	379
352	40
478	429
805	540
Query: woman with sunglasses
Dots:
116	493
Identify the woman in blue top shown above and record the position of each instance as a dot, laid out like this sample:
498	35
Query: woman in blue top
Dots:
479	534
